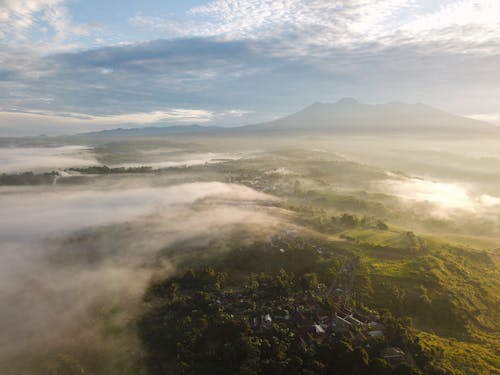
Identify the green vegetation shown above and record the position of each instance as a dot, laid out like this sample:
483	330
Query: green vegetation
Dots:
28	178
438	304
340	245
445	290
277	322
107	170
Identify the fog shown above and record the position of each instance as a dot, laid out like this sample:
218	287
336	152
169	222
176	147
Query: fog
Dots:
445	198
44	159
67	253
37	159
76	257
37	212
444	195
183	160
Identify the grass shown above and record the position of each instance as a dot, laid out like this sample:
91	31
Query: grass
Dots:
464	357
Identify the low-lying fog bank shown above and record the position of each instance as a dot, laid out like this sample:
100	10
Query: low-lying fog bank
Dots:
75	258
183	160
39	212
446	198
68	254
42	159
46	159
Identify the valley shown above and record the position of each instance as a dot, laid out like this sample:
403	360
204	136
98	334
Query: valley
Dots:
298	212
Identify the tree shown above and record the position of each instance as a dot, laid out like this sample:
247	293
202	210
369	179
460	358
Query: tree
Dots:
382	226
405	369
348	220
379	366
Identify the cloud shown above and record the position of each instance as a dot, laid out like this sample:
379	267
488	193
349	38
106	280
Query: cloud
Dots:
463	22
231	83
445	198
305	26
99	84
48	20
183	160
171	115
489	201
47	122
103	249
26	159
21	62
493	118
446	195
64	210
247	61
315	22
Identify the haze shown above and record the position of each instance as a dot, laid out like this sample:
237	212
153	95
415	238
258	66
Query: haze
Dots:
249	187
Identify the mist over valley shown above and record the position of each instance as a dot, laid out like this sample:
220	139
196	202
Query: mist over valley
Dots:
249	187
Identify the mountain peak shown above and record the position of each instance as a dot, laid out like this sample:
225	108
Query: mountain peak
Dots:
350	116
348	101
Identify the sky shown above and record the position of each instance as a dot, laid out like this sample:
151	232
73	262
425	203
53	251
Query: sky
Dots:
70	66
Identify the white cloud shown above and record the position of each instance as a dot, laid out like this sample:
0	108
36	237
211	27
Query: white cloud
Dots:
23	61
36	159
185	160
49	290
46	22
319	21
172	115
236	113
469	23
65	210
301	24
445	197
142	118
485	13
18	122
493	118
489	200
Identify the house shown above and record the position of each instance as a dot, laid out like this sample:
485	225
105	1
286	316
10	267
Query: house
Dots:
351	319
361	317
282	315
375	326
318	330
376	334
393	355
267	321
315	333
340	325
359	339
324	321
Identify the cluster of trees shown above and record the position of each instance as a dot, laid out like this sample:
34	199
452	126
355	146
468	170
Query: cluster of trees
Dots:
189	328
347	220
103	169
319	219
28	178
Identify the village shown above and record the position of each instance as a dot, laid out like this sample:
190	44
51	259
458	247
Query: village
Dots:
314	313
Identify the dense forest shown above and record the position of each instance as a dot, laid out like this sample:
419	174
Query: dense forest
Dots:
280	308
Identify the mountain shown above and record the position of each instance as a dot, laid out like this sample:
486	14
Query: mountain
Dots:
154	131
351	116
345	116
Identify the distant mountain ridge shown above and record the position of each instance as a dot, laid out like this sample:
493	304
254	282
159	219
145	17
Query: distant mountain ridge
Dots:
349	115
154	130
345	116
